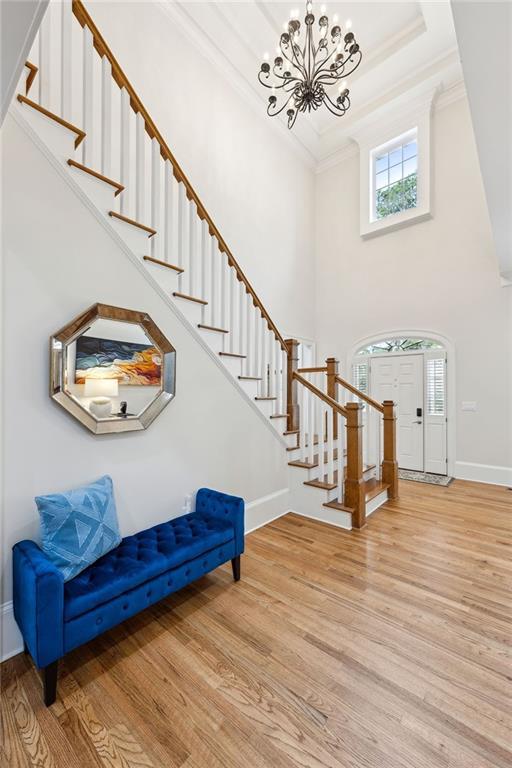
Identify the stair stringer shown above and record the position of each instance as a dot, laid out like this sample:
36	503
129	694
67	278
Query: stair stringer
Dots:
63	171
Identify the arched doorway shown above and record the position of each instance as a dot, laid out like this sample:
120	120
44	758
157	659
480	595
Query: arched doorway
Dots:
412	371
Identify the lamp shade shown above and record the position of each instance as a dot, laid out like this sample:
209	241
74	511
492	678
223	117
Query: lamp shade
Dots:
101	387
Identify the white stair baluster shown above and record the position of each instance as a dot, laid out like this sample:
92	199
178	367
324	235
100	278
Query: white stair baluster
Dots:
249	334
263	357
168	212
192	249
279	377
140	173
284	379
311	428
340	463
321	440
232	309
330	444
125	152
224	267
88	53
304	408
182	201
257	344
206	266
66	61
106	116
214	289
155	198
241	315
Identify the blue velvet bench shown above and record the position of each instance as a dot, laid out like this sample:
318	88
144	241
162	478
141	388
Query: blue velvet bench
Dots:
55	617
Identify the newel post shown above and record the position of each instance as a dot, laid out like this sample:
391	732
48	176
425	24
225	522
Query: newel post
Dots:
292	405
389	463
354	484
332	389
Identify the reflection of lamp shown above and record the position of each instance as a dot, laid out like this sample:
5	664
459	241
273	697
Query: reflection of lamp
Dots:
101	390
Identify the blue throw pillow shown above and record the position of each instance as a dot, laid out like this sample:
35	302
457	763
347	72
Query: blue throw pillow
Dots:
79	526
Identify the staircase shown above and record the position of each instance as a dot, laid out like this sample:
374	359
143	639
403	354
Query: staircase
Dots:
76	99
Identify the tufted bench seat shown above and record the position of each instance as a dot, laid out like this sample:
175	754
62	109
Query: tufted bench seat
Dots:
56	617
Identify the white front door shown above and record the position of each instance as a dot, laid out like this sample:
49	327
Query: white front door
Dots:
400	378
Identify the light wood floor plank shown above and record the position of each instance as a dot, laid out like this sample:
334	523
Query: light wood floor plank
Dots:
389	647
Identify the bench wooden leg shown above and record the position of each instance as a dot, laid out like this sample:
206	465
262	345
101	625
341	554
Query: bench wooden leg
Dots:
235	564
50	683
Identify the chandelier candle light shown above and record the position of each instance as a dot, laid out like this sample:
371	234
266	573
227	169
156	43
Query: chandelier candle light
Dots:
304	75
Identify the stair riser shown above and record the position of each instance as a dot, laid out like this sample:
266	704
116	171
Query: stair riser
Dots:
296	455
213	339
58	139
166	278
135	238
234	366
268	407
191	309
101	194
291	442
309	502
249	387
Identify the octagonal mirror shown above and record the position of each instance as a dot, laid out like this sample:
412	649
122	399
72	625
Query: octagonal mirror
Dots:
112	369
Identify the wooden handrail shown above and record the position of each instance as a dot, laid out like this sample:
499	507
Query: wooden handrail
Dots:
312	370
367	399
136	104
318	392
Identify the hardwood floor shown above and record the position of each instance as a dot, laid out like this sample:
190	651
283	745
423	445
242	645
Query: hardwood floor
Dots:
388	647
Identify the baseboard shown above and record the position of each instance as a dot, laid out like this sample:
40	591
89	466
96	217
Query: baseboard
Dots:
265	509
483	473
11	642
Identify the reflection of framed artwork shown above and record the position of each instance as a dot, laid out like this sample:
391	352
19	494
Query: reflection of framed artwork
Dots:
132	364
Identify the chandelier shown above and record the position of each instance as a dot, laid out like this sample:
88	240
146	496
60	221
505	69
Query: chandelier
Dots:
301	77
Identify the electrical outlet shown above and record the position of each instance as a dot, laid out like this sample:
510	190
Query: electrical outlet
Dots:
187	507
469	405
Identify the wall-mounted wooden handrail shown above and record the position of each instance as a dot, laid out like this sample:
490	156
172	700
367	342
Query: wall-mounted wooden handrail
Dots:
318	392
136	104
312	370
367	399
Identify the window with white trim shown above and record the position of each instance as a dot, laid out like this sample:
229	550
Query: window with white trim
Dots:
436	368
394	169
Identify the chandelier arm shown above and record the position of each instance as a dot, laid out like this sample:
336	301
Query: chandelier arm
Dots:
338	73
269	85
336	109
278	112
351	62
323	63
297	63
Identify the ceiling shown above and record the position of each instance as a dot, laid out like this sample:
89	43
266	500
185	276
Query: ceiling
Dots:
405	45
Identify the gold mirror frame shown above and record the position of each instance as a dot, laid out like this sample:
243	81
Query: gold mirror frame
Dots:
59	343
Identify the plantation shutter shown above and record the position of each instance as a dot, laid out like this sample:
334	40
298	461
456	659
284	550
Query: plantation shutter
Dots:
436	389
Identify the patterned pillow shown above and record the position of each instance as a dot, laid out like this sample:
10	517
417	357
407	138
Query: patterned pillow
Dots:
79	526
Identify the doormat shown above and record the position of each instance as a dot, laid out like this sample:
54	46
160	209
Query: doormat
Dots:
424	477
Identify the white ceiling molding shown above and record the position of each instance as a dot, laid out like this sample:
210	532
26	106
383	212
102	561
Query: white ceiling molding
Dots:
408	45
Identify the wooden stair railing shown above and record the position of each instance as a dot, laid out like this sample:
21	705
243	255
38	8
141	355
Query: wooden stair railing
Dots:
137	106
320	413
389	465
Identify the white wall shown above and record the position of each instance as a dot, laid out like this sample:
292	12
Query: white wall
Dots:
254	184
440	275
57	261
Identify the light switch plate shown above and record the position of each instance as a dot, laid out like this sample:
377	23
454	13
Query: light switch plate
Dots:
469	405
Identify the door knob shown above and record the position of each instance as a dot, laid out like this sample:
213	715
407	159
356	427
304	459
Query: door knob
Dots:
418	422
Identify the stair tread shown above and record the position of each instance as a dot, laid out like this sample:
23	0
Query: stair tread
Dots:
127	220
119	187
80	134
232	354
279	416
189	298
163	263
211	328
30	77
338	506
377	488
308	465
324	483
265	398
250	378
291	432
